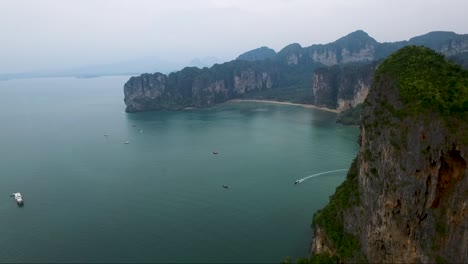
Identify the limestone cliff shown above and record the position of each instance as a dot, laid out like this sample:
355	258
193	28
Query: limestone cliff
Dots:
342	87
193	87
405	198
357	46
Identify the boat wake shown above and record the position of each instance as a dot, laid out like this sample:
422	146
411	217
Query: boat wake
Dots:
318	174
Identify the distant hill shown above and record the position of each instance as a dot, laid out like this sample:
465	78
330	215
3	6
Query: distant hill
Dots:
261	53
295	73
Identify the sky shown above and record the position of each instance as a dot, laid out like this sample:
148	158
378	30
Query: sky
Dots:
54	34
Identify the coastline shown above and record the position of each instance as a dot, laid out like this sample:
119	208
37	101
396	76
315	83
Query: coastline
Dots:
284	103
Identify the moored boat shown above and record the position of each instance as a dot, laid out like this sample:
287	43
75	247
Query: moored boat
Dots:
18	198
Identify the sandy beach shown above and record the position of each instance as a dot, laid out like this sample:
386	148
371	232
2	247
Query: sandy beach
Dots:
284	103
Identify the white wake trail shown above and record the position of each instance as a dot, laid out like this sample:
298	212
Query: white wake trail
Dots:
318	174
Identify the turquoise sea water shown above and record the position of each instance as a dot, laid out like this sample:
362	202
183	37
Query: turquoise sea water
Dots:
91	198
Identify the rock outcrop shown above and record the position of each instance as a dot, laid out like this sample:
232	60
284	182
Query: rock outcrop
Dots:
342	87
192	87
405	198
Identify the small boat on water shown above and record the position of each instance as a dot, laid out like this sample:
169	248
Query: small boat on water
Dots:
106	135
225	186
297	181
18	198
126	142
215	152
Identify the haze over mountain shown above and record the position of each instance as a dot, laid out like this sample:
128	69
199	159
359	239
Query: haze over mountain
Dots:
204	62
51	34
129	67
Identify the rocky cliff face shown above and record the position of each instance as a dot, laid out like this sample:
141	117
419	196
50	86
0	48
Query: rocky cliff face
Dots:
406	195
357	46
342	87
192	87
354	47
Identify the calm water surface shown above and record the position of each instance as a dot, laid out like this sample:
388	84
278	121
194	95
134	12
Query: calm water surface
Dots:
91	198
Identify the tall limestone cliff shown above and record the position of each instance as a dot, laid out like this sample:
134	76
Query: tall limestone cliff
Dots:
405	198
342	87
294	74
193	87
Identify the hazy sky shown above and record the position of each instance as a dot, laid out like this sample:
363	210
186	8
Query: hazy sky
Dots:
51	34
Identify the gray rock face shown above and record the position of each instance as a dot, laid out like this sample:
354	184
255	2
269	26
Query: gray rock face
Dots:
190	87
413	181
342	87
140	92
412	210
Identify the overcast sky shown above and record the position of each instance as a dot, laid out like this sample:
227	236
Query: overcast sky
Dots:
52	34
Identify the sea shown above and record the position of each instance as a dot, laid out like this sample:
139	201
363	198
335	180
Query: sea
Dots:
89	197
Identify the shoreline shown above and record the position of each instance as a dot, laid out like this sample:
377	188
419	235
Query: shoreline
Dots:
284	103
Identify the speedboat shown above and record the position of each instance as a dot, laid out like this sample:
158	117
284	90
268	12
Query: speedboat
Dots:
18	198
225	186
106	135
297	181
126	142
215	152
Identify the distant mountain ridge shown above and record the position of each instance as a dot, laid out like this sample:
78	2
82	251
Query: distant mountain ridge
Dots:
358	46
292	74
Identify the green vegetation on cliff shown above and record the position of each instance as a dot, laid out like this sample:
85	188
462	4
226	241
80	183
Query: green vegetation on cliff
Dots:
261	53
331	218
426	80
351	116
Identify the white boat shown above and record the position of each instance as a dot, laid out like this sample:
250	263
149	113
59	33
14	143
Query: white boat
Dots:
18	198
126	142
106	135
